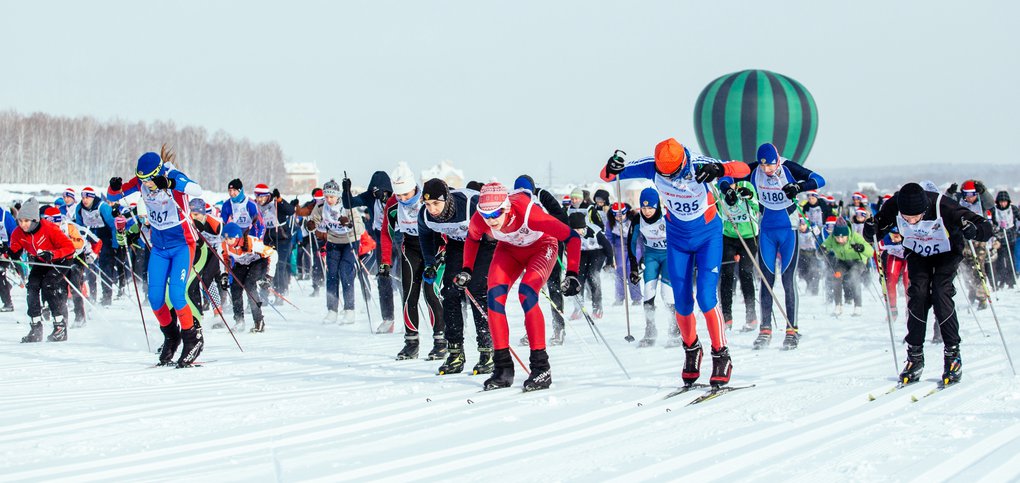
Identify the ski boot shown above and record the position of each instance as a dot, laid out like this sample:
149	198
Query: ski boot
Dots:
650	333
953	369
749	326
386	327
331	317
260	326
856	312
557	338
454	361
59	333
315	292
791	340
838	310
576	315
915	364
597	313
348	318
439	348
895	312
674	333
171	339
692	363
7	308
728	324
485	364
541	374
722	367
410	350
191	348
218	325
239	324
35	332
764	338
503	371
983	304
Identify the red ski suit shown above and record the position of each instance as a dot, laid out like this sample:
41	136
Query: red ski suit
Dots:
527	242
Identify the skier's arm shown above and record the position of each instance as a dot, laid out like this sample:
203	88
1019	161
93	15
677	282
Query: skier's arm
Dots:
476	230
227	211
385	240
267	253
634	236
544	222
807	179
258	226
362	199
642	168
126	188
184	184
734	171
107	213
956	214
62	245
884	221
426	239
9	223
607	248
552	205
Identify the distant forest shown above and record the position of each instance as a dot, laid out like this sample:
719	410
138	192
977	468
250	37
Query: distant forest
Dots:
40	148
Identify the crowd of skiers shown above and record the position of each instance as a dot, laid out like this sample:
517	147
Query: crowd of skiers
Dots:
700	228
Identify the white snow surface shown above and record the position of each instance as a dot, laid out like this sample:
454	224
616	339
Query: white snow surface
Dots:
313	402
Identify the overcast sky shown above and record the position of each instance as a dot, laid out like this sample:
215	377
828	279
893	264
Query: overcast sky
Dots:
507	87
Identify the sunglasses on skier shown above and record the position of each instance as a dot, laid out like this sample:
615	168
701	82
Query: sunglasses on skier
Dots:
491	216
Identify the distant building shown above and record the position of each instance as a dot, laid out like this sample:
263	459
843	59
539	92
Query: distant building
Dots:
302	178
445	171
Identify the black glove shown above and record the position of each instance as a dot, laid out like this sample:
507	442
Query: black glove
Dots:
859	248
116	183
346	185
952	189
969	230
163	183
791	190
745	192
310	225
730	197
615	164
224	282
429	275
265	283
382	195
980	187
462	279
384	270
276	193
571	285
47	257
635	275
708	172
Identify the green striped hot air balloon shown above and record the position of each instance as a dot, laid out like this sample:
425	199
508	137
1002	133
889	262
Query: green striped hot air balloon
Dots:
737	112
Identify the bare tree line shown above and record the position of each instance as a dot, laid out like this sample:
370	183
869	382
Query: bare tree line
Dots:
40	148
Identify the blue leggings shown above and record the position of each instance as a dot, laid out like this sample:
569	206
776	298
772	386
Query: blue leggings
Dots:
168	272
704	250
656	269
782	242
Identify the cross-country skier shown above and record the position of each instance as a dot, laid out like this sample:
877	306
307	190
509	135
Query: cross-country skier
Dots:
595	253
527	239
849	253
402	215
253	264
448	213
49	249
374	199
649	233
276	213
935	229
335	226
895	264
165	191
7	226
209	245
740	213
778	182
1006	219
243	211
310	254
96	215
85	253
620	222
693	240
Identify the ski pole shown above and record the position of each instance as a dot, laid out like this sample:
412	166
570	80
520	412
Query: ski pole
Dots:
604	341
138	296
623	255
970	308
278	294
219	308
888	309
478	307
357	260
567	320
981	275
1009	251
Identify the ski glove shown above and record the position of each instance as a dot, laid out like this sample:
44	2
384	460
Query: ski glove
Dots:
615	164
429	275
346	185
969	230
791	190
224	282
571	285
859	248
980	187
164	183
816	231
462	279
116	183
635	275
952	189
90	257
47	257
708	172
745	192
384	270
731	197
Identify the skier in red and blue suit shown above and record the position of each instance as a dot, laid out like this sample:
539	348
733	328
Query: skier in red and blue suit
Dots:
693	239
777	182
166	191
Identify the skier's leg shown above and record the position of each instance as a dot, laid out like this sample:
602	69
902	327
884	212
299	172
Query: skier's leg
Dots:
919	297
539	262
347	271
788	249
503	271
942	292
746	271
708	258
333	257
767	248
727	278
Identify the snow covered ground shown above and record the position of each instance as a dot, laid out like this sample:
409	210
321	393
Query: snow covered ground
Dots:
312	402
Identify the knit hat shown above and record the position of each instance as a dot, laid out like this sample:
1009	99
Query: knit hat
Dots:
473	185
524	182
812	193
493	197
70	192
235	184
261	189
435	189
620	208
930	186
149	165
841	230
577	220
565	201
969	188
331	188
830	220
402	179
577	193
768	154
233	230
912	199
89	192
670	157
53	214
317	194
29	210
602	195
649	198
861	212
197	205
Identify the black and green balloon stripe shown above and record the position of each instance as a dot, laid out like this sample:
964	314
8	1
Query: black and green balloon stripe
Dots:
737	112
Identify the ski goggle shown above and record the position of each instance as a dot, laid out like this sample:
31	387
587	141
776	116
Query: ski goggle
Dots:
493	215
